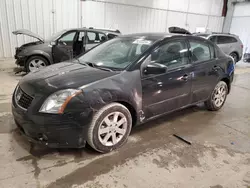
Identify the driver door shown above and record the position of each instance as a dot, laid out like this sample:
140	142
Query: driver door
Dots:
63	49
171	90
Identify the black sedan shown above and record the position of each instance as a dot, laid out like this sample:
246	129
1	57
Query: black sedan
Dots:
129	80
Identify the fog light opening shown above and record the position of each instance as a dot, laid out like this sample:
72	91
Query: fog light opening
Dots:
42	137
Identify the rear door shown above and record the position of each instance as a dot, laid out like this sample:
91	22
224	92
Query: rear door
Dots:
93	38
204	69
225	43
63	49
79	44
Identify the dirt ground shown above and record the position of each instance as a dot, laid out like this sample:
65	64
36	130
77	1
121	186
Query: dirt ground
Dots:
219	156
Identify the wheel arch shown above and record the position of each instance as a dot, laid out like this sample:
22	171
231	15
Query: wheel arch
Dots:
131	109
238	55
40	55
227	81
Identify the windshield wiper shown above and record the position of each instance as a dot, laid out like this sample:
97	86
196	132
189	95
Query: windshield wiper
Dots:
103	68
98	67
82	63
94	65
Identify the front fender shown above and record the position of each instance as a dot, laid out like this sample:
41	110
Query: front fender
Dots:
47	55
124	87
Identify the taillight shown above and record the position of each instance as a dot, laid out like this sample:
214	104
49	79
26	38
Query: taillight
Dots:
241	46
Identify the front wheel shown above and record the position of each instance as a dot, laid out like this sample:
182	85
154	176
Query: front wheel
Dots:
36	62
218	97
109	128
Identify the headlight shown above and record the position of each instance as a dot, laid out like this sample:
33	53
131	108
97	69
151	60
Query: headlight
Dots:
56	103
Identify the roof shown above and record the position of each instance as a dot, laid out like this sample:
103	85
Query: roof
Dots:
102	30
99	30
214	33
152	36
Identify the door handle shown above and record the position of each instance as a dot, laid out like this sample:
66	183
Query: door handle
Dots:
184	77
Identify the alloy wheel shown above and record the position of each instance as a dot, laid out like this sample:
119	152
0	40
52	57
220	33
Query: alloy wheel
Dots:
112	129
219	95
36	64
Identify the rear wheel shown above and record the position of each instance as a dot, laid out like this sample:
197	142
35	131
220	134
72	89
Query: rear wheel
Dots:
218	97
234	56
109	128
36	62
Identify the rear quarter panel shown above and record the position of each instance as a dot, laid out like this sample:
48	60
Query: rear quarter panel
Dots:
237	47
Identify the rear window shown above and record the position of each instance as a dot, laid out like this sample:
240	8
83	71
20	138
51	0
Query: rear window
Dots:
200	51
225	39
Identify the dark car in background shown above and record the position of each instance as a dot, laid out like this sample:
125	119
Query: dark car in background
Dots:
121	83
62	46
246	57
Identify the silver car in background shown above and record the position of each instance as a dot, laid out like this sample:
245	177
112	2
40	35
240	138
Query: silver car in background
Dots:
230	44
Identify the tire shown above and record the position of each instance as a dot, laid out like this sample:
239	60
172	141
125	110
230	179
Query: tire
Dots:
102	128
212	103
234	56
35	60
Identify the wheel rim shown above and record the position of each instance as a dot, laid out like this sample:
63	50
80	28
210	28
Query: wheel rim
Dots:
219	96
112	129
36	64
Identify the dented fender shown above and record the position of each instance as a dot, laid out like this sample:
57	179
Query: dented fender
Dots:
118	88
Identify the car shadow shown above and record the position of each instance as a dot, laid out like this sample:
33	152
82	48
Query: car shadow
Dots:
19	71
168	118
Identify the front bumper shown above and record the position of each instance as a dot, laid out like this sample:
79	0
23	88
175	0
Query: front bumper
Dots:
20	61
55	131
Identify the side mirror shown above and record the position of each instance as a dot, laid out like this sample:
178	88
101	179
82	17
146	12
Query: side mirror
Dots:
155	68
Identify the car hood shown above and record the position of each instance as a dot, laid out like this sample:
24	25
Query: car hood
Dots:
61	76
28	33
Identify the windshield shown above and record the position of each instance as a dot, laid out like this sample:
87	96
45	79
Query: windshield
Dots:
117	53
55	35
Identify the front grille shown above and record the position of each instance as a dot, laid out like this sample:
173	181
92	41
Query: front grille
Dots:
23	99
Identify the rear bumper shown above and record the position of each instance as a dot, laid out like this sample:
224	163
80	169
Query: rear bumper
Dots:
55	131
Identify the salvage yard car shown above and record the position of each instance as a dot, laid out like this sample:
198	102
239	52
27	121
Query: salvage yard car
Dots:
62	46
230	44
127	81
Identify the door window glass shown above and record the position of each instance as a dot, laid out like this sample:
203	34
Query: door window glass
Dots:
81	36
213	39
226	39
200	51
94	37
173	55
102	37
69	37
